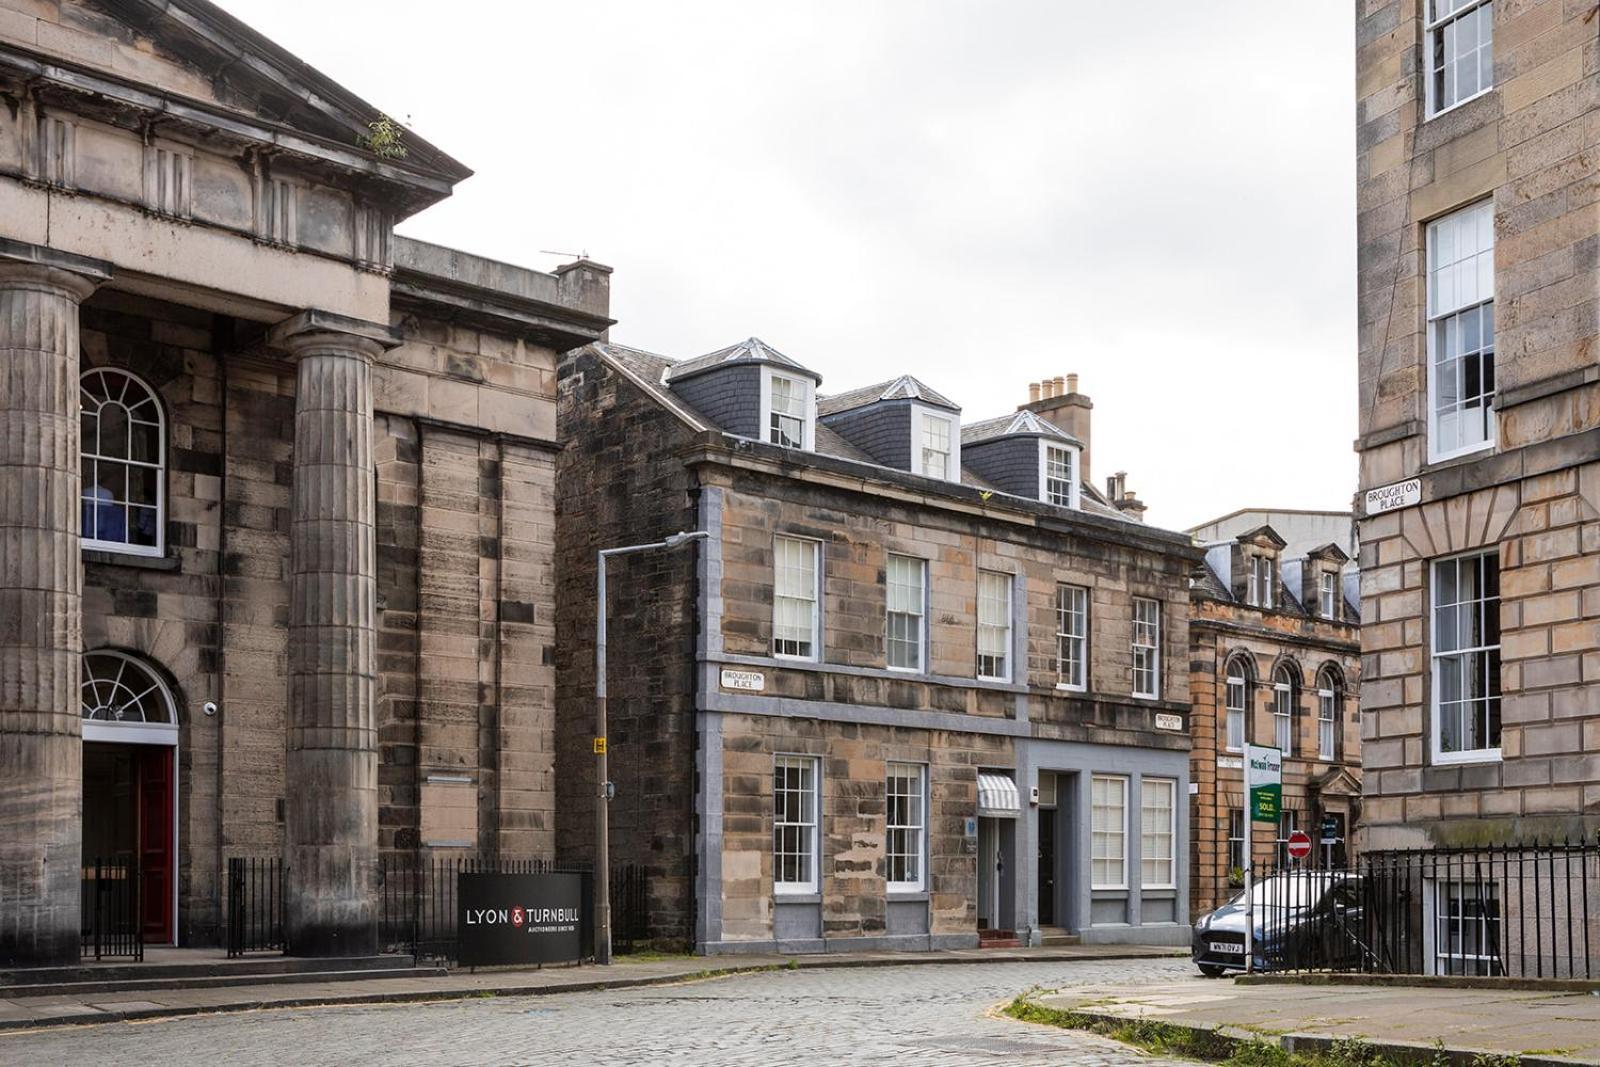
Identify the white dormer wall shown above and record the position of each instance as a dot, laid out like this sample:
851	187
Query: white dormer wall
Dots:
1220	559
921	412
1293	579
1045	445
768	373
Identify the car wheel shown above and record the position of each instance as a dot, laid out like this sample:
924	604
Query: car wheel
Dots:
1211	970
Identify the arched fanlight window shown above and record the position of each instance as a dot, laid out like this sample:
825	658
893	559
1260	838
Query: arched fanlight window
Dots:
124	463
1329	696
1283	686
122	695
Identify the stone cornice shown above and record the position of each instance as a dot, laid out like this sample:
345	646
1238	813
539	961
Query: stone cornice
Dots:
1264	633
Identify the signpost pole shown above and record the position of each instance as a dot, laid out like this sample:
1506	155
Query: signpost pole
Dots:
1249	871
602	827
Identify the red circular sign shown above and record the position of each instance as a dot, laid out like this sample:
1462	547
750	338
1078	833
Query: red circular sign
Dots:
1299	844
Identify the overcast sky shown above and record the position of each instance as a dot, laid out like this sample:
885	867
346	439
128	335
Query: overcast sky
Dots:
1158	196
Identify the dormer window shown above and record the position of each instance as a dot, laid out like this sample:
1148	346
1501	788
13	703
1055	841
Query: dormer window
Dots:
788	410
1328	595
1058	475
935	446
1260	593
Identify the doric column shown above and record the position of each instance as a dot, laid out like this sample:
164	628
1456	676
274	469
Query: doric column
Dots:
41	619
332	770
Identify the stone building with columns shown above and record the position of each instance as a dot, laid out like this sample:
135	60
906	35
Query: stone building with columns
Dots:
276	486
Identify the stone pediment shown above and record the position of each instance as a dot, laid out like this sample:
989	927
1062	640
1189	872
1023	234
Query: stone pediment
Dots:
187	65
1338	782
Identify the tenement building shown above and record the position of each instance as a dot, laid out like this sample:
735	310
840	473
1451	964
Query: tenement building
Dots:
1478	134
276	487
920	685
1275	660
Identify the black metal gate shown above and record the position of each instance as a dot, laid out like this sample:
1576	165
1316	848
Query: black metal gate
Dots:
112	925
254	902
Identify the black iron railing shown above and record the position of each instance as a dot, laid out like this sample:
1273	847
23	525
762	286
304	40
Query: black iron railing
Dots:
112	924
254	903
630	908
418	895
1521	911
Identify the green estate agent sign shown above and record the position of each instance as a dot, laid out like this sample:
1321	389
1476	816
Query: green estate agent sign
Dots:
1263	777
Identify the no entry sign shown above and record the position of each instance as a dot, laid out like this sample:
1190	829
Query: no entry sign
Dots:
1299	844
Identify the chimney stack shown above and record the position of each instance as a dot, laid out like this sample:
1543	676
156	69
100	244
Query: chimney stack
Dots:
1058	401
1117	496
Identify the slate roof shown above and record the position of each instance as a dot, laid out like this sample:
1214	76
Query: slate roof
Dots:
750	350
652	373
904	387
1015	423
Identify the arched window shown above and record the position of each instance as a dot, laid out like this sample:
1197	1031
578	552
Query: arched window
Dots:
124	699
124	463
1283	686
1236	699
1329	694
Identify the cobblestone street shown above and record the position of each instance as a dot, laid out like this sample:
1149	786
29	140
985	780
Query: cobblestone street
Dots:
931	1014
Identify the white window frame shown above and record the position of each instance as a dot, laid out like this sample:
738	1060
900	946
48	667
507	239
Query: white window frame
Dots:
1437	891
93	456
1283	693
1149	835
1328	594
1260	572
811	822
1435	728
921	416
917	827
1235	816
816	598
1432	28
1046	445
1438	315
1288	823
1004	581
1072	638
1327	720
1232	715
920	615
1116	829
1151	648
809	427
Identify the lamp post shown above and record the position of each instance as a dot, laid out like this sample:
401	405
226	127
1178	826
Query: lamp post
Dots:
602	832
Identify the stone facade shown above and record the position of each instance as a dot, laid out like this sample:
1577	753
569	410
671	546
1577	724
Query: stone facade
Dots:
702	710
342	582
1528	500
1286	638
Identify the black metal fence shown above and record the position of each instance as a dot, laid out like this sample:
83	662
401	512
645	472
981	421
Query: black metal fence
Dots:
112	924
254	903
1520	911
417	901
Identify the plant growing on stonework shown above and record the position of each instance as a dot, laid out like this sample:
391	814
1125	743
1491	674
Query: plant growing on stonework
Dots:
1236	877
384	138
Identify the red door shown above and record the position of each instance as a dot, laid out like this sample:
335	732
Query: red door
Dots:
155	842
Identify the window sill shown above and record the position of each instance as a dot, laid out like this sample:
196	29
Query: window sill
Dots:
129	559
1063	687
1447	459
796	896
1463	102
907	896
1458	759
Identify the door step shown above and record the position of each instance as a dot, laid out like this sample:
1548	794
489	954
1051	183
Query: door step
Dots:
280	970
1055	935
998	939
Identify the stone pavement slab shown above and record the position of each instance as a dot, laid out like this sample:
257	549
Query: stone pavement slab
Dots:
22	1012
1560	1025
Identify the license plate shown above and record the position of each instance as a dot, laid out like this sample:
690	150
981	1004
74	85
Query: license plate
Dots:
1227	947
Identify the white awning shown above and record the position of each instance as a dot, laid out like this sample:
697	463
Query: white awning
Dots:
998	796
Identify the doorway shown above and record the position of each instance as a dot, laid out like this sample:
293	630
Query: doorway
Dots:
128	819
1047	866
996	877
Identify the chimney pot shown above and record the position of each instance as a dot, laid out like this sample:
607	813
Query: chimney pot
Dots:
1060	385
1072	383
1033	392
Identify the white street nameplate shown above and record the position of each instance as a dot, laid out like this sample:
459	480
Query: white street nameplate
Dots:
1394	497
1231	763
749	681
1169	722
